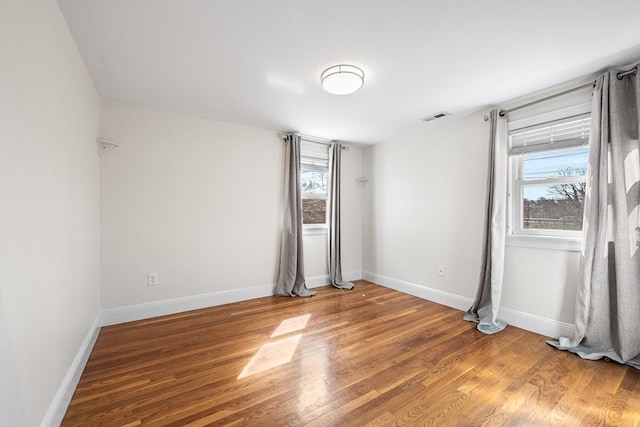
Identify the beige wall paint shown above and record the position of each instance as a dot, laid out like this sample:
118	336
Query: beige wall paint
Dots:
541	282
425	204
49	206
198	201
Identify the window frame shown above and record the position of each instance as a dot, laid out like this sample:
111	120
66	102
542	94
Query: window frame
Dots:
311	229
517	235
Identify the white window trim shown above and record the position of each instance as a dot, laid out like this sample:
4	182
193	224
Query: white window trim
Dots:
311	229
534	238
315	196
317	229
518	190
571	244
314	229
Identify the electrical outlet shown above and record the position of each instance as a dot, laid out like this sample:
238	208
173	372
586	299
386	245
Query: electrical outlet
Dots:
152	279
441	270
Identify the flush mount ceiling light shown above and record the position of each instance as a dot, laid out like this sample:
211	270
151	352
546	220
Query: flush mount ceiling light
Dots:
342	79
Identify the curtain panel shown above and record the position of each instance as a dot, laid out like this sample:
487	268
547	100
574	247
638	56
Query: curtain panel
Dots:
334	256
291	280
486	304
608	295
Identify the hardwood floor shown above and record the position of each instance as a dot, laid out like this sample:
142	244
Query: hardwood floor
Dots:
370	356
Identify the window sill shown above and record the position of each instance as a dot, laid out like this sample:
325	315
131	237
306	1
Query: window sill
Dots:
310	230
572	244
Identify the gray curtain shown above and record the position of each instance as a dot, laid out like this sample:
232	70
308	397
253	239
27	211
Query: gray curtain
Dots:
291	281
484	310
335	266
608	295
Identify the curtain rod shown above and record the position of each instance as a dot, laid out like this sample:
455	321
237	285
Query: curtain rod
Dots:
546	98
309	138
620	75
633	71
316	140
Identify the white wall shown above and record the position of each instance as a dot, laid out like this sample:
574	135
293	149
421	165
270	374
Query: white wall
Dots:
352	212
425	206
197	201
425	199
541	282
49	207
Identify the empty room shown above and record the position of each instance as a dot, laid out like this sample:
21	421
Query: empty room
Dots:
319	213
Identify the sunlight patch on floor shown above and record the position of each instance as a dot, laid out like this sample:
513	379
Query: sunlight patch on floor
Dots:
279	352
291	325
272	354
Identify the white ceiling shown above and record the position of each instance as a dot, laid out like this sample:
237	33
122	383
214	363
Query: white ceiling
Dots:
259	62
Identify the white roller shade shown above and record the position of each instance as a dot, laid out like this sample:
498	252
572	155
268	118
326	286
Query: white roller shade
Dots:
554	135
314	156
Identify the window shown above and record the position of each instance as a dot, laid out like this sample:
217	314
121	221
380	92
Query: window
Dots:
548	166
314	180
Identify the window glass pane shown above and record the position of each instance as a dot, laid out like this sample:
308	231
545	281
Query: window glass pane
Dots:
555	164
313	182
553	207
314	211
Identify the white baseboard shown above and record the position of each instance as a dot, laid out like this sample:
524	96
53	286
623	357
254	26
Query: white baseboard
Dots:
130	313
538	324
323	280
317	281
60	403
530	322
424	292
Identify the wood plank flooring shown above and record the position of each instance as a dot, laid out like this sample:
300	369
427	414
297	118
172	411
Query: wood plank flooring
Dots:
367	357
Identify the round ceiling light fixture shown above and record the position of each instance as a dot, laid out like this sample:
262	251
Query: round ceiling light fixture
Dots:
342	79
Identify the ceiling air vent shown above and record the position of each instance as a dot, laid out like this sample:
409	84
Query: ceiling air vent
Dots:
439	115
